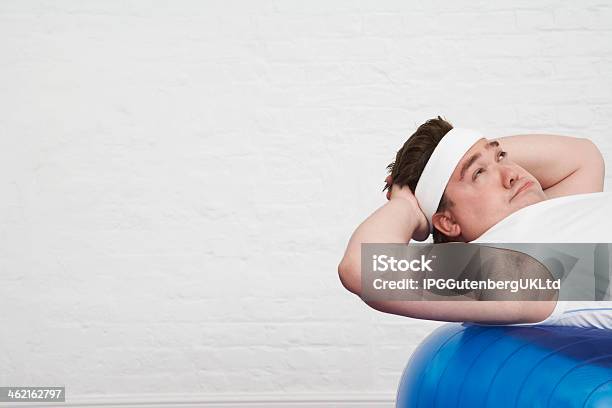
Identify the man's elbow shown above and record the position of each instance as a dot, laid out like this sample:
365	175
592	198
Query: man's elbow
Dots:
596	163
350	276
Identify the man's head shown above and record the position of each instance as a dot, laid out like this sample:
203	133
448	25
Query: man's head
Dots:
485	187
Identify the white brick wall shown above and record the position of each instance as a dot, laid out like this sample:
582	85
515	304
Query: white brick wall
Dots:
178	180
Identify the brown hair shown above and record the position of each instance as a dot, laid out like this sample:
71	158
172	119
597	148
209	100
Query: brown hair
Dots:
411	159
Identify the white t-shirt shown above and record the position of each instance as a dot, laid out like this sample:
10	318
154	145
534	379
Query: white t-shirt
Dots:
582	218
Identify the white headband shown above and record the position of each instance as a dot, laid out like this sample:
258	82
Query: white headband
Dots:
440	167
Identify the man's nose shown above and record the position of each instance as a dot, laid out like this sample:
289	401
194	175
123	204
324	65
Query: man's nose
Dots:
509	176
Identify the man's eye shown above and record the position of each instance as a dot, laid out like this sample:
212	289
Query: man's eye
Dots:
478	172
503	154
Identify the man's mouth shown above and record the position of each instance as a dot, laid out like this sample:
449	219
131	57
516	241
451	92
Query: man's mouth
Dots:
522	188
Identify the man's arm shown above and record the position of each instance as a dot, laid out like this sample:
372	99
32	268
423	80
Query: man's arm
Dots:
563	165
399	220
394	222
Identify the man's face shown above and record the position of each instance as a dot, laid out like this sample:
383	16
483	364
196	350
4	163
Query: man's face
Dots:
486	187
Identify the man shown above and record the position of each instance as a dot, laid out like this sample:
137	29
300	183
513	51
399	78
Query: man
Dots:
487	182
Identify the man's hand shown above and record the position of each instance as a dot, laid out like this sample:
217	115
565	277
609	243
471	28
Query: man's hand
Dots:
396	192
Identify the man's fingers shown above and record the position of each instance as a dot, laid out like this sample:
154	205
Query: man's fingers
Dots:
389	182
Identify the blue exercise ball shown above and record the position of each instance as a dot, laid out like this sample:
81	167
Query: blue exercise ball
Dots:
468	365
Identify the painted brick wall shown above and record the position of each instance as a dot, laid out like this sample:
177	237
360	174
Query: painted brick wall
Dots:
178	180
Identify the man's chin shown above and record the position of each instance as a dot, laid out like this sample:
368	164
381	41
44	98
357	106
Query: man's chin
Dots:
528	198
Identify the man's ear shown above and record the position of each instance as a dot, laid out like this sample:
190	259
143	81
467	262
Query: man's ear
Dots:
446	224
